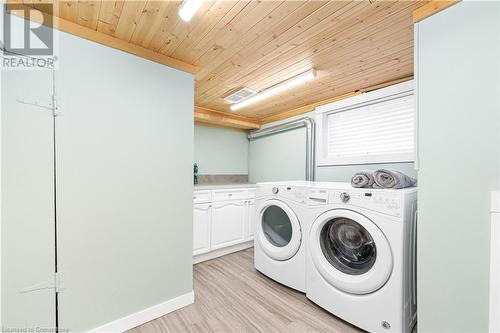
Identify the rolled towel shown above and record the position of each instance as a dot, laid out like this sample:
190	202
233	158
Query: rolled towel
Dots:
362	179
385	178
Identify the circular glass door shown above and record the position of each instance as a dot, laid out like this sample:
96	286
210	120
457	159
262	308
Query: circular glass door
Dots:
276	226
348	246
278	230
350	252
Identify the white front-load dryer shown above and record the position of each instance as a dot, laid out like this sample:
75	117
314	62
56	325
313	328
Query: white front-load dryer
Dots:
361	255
279	244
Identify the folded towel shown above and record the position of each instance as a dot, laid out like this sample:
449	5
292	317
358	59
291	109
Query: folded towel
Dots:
385	178
362	179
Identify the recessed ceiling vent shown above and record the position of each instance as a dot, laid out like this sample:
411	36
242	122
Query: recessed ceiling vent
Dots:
240	95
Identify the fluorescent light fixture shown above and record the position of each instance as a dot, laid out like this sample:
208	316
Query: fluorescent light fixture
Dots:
295	81
189	8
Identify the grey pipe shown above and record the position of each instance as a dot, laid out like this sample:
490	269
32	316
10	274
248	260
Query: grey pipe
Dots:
310	126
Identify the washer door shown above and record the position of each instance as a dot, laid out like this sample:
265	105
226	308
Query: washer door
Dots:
350	251
278	230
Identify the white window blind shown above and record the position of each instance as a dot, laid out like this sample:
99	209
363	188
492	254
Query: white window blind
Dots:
373	132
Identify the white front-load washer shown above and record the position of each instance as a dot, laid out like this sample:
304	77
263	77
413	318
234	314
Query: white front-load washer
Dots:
361	255
279	244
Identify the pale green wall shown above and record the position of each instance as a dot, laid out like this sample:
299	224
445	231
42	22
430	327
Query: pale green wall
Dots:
458	90
283	156
124	154
278	157
220	151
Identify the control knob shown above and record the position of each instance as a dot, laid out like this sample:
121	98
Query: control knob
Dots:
275	190
344	196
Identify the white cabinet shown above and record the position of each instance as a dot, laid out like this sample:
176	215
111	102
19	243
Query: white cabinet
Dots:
250	219
228	223
202	216
223	221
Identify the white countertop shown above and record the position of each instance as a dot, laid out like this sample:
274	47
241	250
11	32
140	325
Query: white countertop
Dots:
223	186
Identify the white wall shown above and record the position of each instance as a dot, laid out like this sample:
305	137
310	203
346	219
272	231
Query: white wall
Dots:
220	151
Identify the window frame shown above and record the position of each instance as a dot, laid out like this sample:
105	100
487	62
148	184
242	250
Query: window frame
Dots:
379	95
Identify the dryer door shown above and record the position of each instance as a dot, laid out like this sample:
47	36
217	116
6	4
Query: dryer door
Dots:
350	251
278	230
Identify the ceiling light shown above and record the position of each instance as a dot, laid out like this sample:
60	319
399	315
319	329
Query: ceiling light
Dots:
189	8
299	79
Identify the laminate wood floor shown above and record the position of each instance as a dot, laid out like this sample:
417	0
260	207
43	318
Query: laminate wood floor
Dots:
231	296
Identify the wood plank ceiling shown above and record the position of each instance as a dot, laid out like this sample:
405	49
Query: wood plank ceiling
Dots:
257	44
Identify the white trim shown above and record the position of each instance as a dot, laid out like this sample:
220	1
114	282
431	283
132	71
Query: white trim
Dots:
379	95
371	96
362	284
143	316
222	252
275	252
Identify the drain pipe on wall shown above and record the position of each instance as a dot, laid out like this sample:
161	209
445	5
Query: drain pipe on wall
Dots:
310	126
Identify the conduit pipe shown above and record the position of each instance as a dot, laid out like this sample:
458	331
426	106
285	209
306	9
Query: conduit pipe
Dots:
310	126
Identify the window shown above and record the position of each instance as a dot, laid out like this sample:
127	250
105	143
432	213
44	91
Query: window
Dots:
376	127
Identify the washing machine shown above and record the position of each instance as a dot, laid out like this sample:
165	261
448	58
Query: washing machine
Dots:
279	243
361	263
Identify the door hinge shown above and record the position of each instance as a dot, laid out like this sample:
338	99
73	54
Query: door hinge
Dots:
55	107
53	283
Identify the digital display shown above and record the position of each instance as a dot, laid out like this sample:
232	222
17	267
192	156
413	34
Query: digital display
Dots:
368	194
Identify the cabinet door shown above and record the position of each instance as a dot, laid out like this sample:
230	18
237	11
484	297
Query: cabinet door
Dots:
228	221
201	228
250	227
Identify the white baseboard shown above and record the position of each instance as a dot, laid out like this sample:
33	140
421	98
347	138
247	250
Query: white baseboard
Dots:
143	316
222	252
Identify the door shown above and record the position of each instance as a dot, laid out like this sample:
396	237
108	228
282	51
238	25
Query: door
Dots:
228	221
250	225
278	230
28	247
201	228
350	251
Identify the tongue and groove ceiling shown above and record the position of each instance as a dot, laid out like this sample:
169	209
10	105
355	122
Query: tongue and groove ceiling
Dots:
256	44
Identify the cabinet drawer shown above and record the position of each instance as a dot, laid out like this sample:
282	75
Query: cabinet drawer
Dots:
201	196
232	194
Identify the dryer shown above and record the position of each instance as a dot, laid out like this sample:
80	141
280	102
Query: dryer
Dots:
279	245
361	255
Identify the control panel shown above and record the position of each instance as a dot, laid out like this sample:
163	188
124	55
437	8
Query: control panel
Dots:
386	203
294	193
